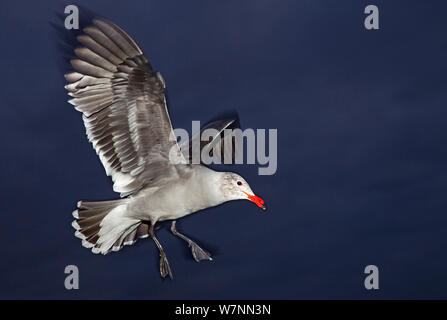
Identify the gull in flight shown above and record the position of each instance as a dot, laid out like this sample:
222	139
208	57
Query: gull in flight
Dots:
124	111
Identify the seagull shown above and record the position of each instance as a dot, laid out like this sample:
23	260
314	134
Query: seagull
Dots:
123	106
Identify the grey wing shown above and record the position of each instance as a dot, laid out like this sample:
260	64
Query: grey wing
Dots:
124	108
217	138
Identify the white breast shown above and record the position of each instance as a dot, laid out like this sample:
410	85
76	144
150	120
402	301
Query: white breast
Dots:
178	198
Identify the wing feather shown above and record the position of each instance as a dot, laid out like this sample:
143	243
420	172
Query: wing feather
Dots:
226	145
124	108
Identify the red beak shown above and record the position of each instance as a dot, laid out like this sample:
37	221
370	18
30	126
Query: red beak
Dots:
257	200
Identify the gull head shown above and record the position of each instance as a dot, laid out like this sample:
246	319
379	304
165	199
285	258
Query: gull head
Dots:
234	187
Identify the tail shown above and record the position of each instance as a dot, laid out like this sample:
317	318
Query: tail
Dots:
104	226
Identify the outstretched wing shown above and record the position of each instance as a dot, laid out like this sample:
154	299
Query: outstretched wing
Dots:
124	107
213	138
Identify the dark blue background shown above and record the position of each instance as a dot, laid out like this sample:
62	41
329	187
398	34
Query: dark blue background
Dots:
361	119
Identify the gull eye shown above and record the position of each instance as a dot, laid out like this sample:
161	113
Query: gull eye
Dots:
239	183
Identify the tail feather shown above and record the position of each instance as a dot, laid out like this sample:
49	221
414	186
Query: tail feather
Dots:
118	243
143	231
98	204
130	238
140	232
90	241
89	221
89	231
104	226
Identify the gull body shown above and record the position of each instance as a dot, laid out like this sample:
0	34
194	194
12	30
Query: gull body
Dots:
198	189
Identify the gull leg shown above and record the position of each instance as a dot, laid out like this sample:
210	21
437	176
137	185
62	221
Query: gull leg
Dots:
164	264
197	252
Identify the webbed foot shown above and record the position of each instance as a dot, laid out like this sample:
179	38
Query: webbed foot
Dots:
165	269
198	253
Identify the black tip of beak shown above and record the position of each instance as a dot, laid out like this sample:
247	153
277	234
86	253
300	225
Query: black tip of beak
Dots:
263	207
